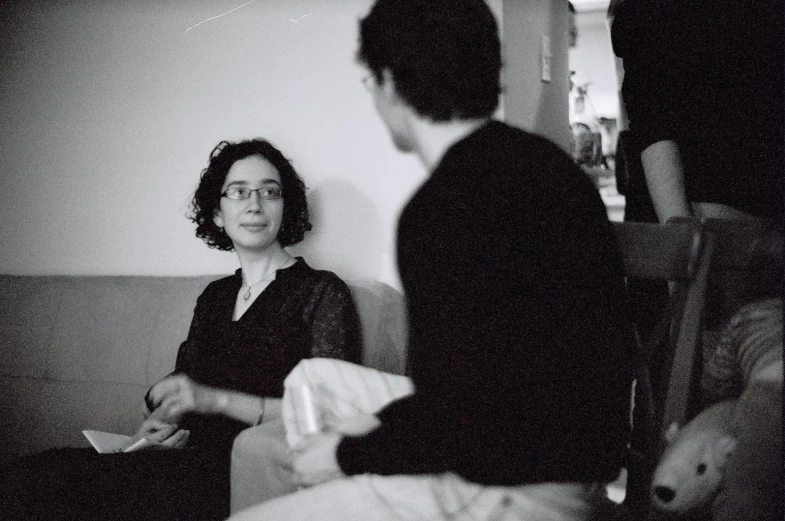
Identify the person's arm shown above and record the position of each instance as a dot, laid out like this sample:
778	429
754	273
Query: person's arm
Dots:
665	179
335	334
335	325
177	395
646	37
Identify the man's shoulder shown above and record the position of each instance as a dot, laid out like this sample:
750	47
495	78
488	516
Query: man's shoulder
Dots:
510	143
499	130
508	153
504	167
498	146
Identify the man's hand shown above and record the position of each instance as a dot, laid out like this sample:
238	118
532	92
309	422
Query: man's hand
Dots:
358	425
177	395
315	459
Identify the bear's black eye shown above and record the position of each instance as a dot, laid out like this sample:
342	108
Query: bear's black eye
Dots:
701	469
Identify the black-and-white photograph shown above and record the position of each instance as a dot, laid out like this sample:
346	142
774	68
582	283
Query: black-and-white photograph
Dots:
391	260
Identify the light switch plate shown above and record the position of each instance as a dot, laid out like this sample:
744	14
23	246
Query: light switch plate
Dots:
545	58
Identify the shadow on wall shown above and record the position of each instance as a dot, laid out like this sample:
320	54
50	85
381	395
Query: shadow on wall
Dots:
347	235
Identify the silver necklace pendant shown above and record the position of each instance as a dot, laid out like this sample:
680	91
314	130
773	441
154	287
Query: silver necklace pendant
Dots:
247	294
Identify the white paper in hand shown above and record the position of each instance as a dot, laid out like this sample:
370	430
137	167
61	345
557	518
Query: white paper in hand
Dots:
323	393
108	442
309	410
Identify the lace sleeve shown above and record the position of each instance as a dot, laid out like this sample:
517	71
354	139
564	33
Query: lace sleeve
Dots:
335	324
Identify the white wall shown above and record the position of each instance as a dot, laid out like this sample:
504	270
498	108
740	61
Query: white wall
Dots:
593	57
109	109
531	103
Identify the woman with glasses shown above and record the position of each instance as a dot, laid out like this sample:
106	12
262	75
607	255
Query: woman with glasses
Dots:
248	331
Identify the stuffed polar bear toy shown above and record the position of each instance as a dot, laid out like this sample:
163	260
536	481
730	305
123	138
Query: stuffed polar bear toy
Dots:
690	470
727	461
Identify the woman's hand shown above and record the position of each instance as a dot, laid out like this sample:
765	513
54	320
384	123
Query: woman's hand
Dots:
162	433
177	395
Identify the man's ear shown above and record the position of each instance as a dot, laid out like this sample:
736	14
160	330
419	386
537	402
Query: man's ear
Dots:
388	87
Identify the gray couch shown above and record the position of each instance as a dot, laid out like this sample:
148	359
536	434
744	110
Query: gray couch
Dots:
79	352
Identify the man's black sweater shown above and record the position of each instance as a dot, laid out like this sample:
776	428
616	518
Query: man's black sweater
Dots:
516	307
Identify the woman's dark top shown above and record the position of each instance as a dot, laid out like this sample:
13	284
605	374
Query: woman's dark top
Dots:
303	313
515	293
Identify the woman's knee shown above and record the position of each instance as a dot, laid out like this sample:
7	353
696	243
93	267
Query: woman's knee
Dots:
263	441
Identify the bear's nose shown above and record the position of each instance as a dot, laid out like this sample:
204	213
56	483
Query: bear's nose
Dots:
666	494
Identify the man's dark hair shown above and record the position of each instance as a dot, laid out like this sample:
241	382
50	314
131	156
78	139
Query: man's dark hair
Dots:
444	55
207	198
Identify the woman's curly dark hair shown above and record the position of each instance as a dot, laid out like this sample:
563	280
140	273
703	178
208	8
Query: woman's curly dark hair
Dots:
207	198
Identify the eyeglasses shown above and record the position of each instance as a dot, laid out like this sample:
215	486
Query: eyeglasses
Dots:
241	193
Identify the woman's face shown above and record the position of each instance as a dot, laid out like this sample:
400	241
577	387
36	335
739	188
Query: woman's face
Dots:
253	223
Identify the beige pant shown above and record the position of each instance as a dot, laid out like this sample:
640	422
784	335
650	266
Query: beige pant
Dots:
262	470
428	498
261	465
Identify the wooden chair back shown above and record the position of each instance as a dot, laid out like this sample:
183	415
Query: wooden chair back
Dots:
678	252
